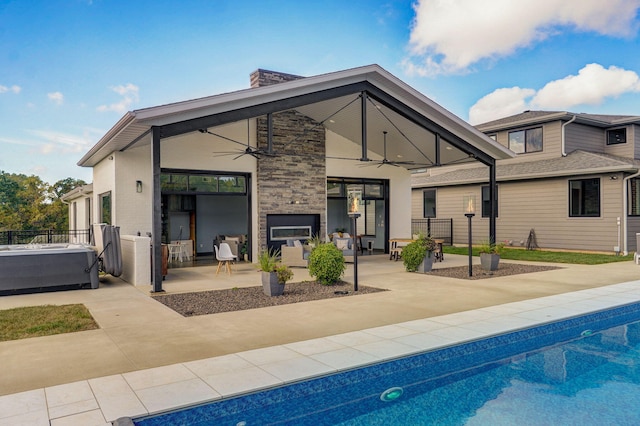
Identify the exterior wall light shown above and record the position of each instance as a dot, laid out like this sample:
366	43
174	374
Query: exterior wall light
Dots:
138	186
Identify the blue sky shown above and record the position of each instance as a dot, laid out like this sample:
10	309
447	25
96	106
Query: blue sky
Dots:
70	69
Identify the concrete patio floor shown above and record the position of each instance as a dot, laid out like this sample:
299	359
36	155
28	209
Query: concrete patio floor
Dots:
138	333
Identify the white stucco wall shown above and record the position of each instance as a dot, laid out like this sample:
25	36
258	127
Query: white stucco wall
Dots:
133	210
399	178
104	181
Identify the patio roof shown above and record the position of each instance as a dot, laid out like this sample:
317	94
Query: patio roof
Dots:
419	130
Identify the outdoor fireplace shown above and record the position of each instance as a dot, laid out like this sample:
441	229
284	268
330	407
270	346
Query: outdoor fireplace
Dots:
283	227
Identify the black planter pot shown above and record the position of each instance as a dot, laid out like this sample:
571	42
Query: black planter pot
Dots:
489	261
270	284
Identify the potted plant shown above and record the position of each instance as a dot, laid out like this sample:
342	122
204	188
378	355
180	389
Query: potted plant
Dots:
417	256
268	263
490	255
243	251
314	241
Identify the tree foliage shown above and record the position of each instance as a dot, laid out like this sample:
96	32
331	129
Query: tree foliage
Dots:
26	202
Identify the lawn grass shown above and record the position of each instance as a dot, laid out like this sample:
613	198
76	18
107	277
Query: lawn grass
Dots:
36	321
547	256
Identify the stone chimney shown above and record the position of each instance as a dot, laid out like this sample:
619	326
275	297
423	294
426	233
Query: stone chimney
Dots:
260	78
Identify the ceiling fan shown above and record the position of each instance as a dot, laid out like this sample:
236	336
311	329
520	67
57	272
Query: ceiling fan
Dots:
384	160
257	153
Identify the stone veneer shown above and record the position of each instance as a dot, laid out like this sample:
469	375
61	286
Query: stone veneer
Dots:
295	180
262	77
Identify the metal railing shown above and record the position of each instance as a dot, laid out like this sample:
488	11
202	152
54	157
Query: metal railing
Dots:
435	228
47	236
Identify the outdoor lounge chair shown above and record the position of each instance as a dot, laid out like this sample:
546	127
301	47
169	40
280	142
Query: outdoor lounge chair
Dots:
294	253
345	245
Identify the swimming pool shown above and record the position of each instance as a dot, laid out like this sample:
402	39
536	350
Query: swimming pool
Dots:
584	370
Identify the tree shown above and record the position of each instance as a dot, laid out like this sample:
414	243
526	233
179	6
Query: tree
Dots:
26	202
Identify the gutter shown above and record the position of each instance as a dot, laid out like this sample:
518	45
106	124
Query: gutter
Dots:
564	153
625	250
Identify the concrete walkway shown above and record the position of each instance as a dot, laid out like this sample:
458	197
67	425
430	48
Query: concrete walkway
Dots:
137	333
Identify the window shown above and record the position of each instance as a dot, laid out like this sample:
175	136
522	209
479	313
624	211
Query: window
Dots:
87	213
525	141
616	136
634	197
429	203
584	198
105	208
494	137
202	183
486	201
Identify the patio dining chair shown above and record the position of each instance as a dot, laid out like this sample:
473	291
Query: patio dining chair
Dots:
224	257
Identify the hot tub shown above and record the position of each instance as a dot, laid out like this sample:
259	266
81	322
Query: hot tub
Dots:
31	267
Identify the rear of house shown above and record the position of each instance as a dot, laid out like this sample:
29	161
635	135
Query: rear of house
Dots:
573	183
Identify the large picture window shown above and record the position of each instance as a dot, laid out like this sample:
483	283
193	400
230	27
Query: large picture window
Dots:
429	203
486	201
584	198
525	141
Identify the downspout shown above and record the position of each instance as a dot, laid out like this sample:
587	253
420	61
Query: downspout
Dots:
564	153
625	181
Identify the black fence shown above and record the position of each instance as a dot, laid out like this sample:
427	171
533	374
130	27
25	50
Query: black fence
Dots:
435	228
48	236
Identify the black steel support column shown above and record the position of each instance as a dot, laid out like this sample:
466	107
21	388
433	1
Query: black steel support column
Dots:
493	202
469	216
363	123
156	233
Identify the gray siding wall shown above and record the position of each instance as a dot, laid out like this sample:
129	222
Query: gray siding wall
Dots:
636	140
633	229
541	205
586	138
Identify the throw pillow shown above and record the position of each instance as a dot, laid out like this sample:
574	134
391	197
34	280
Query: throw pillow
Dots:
342	243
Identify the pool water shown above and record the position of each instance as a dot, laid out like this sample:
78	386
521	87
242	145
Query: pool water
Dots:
581	371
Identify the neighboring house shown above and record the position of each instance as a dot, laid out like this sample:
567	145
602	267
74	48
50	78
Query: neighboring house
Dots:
80	209
277	161
574	181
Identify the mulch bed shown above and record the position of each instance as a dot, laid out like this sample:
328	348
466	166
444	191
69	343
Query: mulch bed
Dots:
504	269
238	299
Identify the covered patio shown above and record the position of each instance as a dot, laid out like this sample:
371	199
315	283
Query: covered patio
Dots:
286	141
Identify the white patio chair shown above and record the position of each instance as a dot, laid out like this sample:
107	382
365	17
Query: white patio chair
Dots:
224	257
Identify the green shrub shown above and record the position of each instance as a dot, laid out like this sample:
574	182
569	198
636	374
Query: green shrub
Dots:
326	264
414	253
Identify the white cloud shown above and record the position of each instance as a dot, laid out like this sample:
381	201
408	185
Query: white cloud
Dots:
500	103
50	142
56	97
129	93
450	36
14	89
593	85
